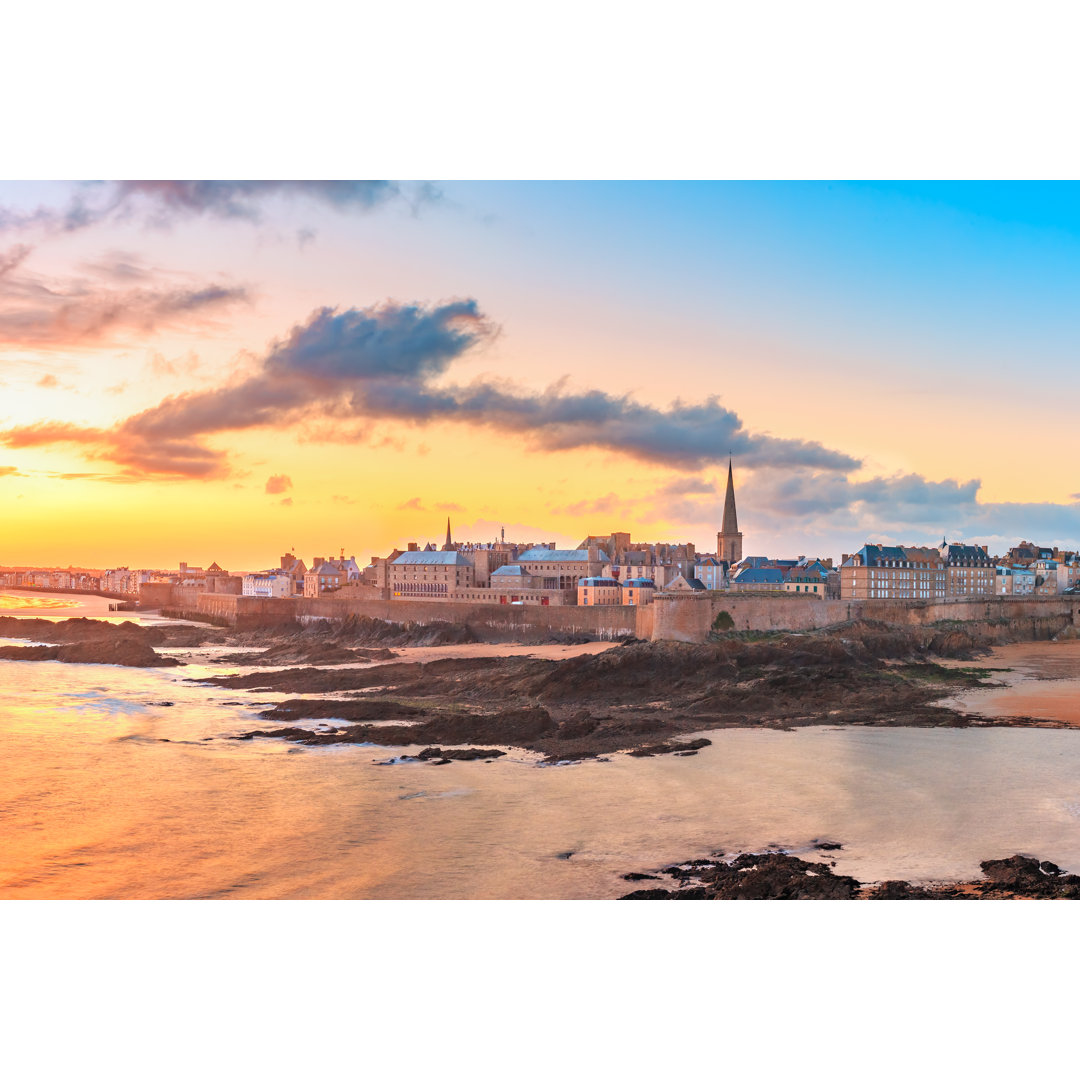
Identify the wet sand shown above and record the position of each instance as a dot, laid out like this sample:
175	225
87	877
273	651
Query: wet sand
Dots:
1042	682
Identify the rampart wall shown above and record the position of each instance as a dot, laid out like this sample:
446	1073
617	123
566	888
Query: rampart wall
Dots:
690	618
675	618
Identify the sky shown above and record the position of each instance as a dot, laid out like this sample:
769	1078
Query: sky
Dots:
199	370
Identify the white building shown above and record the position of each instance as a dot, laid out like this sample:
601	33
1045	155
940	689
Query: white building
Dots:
274	583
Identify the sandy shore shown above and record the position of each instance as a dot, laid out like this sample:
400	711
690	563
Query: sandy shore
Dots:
1040	680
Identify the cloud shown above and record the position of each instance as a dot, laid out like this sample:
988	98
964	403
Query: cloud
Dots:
452	507
186	365
13	257
385	363
801	509
43	312
162	203
10	470
413	504
605	504
285	502
319	369
278	484
688	485
47	382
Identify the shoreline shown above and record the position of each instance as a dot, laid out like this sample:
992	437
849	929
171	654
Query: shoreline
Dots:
394	686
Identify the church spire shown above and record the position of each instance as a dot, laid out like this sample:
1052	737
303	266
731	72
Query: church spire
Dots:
729	539
449	545
731	519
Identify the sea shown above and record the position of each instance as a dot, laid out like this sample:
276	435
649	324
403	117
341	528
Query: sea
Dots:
126	783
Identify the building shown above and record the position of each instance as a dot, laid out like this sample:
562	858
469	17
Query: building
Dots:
969	570
878	572
429	575
597	591
637	592
325	576
561	568
711	572
273	583
729	539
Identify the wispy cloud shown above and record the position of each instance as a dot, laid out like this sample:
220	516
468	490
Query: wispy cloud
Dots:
413	504
277	485
162	203
41	311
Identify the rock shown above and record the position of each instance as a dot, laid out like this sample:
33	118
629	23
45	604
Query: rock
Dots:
898	890
681	748
640	877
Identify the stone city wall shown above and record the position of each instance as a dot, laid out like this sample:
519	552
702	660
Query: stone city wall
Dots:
674	618
690	618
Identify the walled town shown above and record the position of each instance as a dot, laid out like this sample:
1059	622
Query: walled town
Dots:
602	571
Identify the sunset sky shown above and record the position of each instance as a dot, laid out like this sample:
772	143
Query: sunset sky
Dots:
229	370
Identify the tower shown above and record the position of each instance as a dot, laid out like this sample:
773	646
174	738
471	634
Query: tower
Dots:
729	539
448	546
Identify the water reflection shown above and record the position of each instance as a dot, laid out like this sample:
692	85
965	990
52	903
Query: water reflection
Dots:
105	792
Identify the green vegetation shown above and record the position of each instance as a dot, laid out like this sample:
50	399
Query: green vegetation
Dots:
722	622
930	672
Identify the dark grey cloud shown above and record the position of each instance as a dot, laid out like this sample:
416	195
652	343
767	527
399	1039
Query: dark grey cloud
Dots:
387	362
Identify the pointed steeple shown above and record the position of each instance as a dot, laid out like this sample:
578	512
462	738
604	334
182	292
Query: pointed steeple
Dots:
729	539
731	519
449	545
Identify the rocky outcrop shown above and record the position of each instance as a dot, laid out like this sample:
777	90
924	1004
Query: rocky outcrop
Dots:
637	697
775	875
767	876
128	652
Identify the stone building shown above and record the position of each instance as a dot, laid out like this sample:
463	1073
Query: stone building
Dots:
562	569
969	570
877	572
429	575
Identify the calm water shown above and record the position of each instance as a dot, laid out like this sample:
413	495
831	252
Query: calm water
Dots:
93	802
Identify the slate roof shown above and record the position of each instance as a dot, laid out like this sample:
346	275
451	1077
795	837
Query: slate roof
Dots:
431	558
543	554
759	575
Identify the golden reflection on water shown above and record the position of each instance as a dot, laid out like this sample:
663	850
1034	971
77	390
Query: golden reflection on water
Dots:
10	603
107	792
